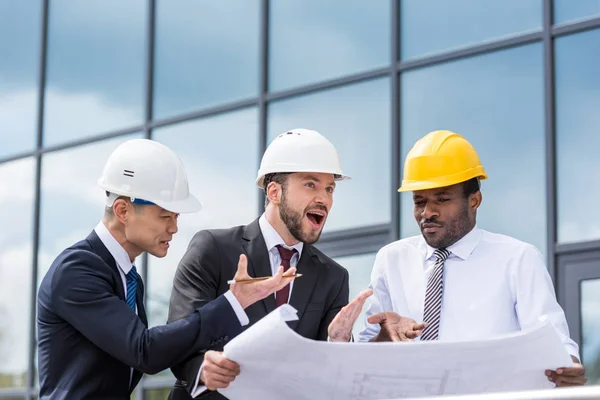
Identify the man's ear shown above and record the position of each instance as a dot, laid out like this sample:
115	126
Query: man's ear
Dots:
121	210
273	193
475	200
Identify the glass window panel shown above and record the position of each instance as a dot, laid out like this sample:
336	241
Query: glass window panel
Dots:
569	10
577	138
359	269
356	119
71	208
20	23
590	325
96	68
221	170
433	26
495	101
314	40
16	250
207	52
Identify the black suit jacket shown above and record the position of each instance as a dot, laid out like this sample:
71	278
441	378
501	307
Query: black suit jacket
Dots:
89	338
211	260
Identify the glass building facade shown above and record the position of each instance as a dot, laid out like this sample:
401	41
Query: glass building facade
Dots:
217	80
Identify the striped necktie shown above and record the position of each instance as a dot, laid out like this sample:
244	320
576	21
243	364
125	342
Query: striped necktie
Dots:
433	296
132	281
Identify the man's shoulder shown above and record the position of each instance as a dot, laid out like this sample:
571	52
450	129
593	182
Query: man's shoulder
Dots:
409	244
220	234
510	244
324	259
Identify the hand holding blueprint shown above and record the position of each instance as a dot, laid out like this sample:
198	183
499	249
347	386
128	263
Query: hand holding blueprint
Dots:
277	363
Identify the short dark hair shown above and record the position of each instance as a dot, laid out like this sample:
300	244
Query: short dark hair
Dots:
277	177
109	212
471	186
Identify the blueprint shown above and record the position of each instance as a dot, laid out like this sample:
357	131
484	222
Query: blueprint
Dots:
277	363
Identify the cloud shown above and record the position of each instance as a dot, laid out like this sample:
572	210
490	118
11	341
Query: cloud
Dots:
18	121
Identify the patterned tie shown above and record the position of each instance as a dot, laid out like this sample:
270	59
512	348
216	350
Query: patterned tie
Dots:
282	295
132	280
433	296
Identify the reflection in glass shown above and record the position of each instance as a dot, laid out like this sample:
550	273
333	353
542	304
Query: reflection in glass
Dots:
590	325
20	23
359	269
577	138
569	10
220	155
96	66
356	119
71	208
206	53
314	40
496	102
451	24
16	216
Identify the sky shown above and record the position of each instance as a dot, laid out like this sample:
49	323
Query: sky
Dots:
206	55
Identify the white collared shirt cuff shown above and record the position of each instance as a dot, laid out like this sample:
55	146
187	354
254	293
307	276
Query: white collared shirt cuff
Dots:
198	389
237	308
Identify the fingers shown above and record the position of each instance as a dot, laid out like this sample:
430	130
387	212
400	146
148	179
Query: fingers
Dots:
242	269
562	381
416	330
576	370
217	371
393	335
376	318
573	376
363	296
216	358
279	280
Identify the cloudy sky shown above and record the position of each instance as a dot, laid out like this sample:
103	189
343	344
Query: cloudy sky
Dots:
207	55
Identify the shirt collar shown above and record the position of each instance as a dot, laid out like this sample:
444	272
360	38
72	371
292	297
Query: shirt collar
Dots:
463	248
272	238
114	248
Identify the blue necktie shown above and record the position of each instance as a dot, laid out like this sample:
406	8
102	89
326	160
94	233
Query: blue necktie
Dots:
132	280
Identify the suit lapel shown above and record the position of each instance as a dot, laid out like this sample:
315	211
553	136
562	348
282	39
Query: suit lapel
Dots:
139	298
101	250
310	268
259	263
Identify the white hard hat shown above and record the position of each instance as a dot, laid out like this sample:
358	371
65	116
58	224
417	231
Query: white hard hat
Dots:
148	172
300	150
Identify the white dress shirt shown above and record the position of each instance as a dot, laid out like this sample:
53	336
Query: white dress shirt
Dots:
493	285
272	240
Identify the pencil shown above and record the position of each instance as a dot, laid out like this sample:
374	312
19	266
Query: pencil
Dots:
262	278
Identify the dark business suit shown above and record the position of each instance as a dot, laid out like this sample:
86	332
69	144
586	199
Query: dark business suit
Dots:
89	337
211	260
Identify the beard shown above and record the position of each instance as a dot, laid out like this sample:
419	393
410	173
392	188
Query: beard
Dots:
293	222
455	229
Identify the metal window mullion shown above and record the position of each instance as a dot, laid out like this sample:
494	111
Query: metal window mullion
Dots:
395	123
550	140
37	208
263	83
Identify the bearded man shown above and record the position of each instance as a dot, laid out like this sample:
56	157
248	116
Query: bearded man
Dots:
298	173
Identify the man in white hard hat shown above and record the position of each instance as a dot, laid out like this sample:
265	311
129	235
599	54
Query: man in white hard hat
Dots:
298	173
92	326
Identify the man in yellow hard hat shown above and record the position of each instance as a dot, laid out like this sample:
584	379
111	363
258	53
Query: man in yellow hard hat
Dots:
463	282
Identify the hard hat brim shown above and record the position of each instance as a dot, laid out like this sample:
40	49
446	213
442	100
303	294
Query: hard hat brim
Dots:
260	180
189	205
412	186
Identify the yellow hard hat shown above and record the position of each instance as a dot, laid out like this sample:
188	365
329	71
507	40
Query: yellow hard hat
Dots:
438	159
